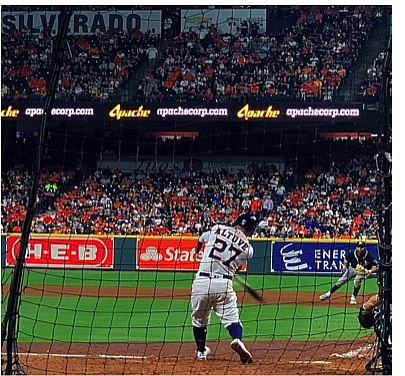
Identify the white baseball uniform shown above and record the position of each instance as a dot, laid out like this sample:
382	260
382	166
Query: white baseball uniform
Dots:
226	250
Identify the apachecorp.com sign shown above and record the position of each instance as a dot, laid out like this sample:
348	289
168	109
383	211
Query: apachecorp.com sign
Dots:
127	111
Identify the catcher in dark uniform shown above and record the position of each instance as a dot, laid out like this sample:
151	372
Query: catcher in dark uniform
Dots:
358	265
368	312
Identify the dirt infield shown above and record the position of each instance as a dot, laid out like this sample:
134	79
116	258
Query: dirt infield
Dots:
270	357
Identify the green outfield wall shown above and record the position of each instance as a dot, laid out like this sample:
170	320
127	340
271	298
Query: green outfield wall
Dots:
271	256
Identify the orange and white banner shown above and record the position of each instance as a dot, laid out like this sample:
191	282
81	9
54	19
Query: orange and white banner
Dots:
160	253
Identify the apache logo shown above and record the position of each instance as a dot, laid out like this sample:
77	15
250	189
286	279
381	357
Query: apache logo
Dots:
9	112
291	258
269	113
117	113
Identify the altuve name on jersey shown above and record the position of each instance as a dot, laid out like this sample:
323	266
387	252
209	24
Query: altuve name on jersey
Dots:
235	239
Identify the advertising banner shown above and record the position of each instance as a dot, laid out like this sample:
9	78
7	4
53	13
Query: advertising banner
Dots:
225	20
67	252
144	113
28	110
163	253
312	257
204	163
84	22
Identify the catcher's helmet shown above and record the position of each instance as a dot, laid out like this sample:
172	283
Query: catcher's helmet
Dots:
247	221
366	318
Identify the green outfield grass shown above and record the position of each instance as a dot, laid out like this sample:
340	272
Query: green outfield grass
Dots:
172	279
107	319
83	319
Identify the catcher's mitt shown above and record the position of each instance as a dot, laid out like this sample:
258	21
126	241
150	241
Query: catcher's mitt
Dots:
361	270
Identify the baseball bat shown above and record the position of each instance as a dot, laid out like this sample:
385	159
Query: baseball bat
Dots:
249	289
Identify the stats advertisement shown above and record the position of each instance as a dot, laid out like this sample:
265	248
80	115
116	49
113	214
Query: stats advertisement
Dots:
163	253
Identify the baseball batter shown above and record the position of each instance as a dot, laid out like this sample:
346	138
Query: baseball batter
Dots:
358	265
227	249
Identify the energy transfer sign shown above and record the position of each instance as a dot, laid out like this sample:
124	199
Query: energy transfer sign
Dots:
312	257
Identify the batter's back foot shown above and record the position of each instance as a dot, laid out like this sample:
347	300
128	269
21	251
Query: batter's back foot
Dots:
239	347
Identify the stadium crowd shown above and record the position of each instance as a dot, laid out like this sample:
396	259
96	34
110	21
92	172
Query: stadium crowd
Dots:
96	69
333	202
307	61
371	88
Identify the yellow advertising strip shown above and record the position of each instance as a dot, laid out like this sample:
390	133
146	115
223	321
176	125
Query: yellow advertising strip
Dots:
9	112
247	113
119	113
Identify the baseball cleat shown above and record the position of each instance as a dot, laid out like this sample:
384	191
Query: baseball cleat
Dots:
238	346
325	296
353	300
202	355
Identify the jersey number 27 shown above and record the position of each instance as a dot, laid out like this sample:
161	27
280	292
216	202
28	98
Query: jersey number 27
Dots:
218	249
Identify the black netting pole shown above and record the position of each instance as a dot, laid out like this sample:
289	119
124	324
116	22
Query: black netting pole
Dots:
9	324
386	255
384	168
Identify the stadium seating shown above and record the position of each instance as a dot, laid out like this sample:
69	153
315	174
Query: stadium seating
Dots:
97	67
308	61
370	89
335	201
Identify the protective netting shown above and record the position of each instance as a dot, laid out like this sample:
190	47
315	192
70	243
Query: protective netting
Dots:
127	188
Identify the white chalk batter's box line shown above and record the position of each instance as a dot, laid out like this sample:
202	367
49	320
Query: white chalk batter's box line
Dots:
133	357
350	354
354	353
